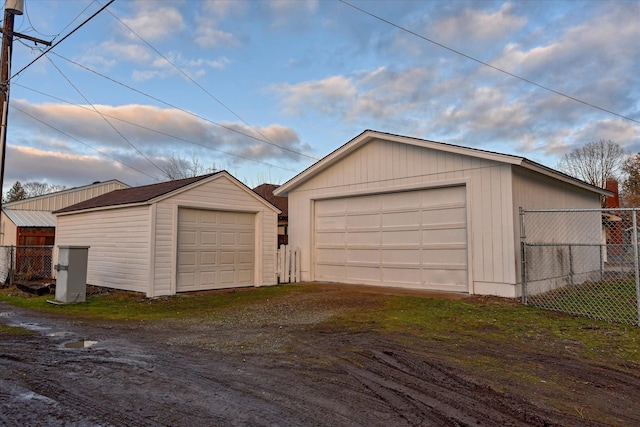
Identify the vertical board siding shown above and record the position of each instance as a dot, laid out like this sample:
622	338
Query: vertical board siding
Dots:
535	191
220	194
380	166
119	245
62	199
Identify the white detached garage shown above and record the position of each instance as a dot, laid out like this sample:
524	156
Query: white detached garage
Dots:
397	211
207	232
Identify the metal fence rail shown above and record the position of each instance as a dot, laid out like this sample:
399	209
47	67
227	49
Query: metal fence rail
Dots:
582	261
25	263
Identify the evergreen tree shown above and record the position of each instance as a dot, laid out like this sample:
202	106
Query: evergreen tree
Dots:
15	193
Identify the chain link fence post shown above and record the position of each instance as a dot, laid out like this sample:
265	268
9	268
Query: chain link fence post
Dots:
635	262
523	262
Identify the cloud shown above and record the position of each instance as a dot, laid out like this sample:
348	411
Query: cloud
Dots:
473	24
209	32
81	141
329	96
154	23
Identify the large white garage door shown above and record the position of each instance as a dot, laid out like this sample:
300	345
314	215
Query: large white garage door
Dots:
414	239
215	249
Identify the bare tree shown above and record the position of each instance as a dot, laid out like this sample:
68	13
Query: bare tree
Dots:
631	185
35	188
180	168
31	189
594	162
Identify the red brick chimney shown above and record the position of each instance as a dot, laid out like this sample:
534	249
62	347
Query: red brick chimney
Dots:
613	201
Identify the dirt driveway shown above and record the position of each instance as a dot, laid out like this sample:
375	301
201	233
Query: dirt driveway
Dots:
282	363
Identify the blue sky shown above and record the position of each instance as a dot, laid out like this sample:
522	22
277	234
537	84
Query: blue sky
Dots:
265	88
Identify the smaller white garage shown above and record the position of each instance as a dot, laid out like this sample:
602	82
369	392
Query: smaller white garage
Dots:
201	233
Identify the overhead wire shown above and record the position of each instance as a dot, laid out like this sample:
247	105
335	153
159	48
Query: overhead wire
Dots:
176	107
188	77
103	117
81	142
157	131
43	53
486	64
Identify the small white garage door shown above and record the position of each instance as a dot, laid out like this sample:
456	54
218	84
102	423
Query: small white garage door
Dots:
215	249
413	239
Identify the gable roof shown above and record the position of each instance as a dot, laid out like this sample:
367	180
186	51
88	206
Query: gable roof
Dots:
370	135
66	190
147	194
280	202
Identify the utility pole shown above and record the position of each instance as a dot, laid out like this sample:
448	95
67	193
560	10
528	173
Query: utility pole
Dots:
12	8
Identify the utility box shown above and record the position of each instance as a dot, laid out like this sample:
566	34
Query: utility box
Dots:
71	277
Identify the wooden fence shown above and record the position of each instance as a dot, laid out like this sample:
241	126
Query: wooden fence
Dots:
288	268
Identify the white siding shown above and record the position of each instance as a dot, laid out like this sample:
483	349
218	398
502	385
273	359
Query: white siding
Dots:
536	191
119	245
62	199
383	166
9	231
219	194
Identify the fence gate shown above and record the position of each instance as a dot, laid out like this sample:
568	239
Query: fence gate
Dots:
582	262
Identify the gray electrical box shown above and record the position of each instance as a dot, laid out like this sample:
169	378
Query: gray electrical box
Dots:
71	279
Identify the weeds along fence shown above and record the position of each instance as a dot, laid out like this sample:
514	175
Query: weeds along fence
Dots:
25	263
582	261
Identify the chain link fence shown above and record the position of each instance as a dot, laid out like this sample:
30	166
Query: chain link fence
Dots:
582	262
25	263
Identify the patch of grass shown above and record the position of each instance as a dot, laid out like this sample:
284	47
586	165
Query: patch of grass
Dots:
14	330
608	300
495	321
123	305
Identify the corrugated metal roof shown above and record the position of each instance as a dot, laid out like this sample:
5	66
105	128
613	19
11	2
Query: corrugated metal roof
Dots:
24	218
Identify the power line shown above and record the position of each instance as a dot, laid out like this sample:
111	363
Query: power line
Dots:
157	131
181	109
104	118
265	140
486	64
62	39
81	142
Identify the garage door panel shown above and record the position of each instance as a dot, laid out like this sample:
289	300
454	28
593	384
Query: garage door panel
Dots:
440	216
398	200
333	205
364	273
363	220
245	239
458	235
331	222
208	259
188	237
402	276
366	203
401	219
187	259
227	257
401	256
215	249
401	237
364	238
330	238
330	255
362	255
415	239
454	256
209	238
245	257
